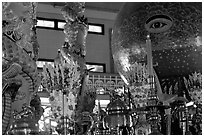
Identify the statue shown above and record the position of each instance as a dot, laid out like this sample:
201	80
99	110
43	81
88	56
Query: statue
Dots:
19	53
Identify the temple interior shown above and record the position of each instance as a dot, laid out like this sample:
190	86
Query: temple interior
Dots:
101	68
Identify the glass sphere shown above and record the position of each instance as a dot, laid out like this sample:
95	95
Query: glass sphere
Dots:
175	31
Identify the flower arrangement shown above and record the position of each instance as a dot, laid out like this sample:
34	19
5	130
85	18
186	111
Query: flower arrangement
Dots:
137	74
63	76
57	102
194	86
62	82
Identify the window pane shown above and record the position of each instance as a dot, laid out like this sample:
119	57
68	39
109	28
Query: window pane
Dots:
93	28
45	23
96	68
61	25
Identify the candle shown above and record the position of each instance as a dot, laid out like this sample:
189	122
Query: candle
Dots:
149	61
149	56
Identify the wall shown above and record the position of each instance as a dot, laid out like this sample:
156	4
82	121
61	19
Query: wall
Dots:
50	41
97	46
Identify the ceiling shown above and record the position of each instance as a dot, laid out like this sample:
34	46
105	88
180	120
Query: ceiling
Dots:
105	6
99	6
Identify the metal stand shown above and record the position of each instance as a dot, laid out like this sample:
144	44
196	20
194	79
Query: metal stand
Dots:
153	108
183	118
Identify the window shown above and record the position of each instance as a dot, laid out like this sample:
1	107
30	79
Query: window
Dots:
96	28
61	25
96	67
45	23
93	28
57	24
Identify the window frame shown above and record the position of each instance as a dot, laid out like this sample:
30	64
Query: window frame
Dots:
98	25
56	21
98	64
47	19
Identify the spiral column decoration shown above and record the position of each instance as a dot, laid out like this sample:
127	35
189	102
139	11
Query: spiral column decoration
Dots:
74	49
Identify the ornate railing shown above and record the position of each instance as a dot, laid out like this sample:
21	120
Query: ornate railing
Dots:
105	82
102	82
